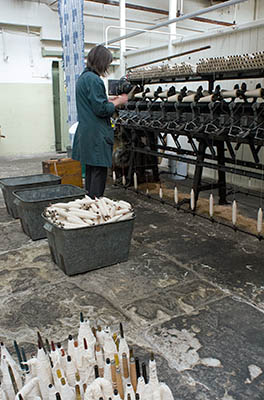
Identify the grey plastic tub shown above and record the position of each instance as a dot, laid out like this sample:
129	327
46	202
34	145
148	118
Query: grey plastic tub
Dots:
85	249
9	185
31	203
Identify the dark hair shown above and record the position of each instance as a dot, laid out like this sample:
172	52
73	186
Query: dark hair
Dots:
99	58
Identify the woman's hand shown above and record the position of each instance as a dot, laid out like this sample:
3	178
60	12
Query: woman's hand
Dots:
112	98
119	100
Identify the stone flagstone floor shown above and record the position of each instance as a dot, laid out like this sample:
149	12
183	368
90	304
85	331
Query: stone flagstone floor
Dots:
191	291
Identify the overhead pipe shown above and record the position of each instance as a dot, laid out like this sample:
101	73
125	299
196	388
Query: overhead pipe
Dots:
132	29
180	18
224	31
202	36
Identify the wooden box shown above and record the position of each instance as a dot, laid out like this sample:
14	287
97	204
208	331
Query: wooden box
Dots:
69	170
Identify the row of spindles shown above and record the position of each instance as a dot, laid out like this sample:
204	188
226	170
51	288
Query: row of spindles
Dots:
193	203
164	69
232	62
205	65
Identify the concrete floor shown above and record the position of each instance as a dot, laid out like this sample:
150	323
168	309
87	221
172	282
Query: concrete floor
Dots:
191	291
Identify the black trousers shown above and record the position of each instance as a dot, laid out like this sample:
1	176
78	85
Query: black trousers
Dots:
95	180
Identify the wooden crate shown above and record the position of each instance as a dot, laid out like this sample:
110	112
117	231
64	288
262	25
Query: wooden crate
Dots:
69	170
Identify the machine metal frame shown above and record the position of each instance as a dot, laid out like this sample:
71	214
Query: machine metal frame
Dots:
211	137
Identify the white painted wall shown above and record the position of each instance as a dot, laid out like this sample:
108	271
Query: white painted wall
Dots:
26	112
25	28
23	62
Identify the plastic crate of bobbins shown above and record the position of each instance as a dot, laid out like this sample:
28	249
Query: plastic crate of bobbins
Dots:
87	234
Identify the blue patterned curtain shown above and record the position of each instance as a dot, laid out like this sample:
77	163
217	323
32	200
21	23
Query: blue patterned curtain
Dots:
72	36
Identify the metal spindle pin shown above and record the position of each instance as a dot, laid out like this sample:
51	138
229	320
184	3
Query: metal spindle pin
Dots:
19	355
96	371
135	181
13	380
259	221
114	177
26	367
234	212
192	200
211	205
144	372
123	180
176	197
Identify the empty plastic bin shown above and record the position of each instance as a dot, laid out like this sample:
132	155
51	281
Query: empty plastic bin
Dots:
9	185
31	203
85	249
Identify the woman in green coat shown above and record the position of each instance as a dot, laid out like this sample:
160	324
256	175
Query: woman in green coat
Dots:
94	138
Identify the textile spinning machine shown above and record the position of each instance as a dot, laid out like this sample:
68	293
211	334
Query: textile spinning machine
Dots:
215	121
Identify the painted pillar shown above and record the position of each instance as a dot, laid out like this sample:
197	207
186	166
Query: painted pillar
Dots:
122	17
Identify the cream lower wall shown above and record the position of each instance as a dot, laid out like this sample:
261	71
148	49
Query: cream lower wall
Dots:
26	118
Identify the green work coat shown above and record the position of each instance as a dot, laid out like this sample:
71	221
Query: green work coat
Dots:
94	138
